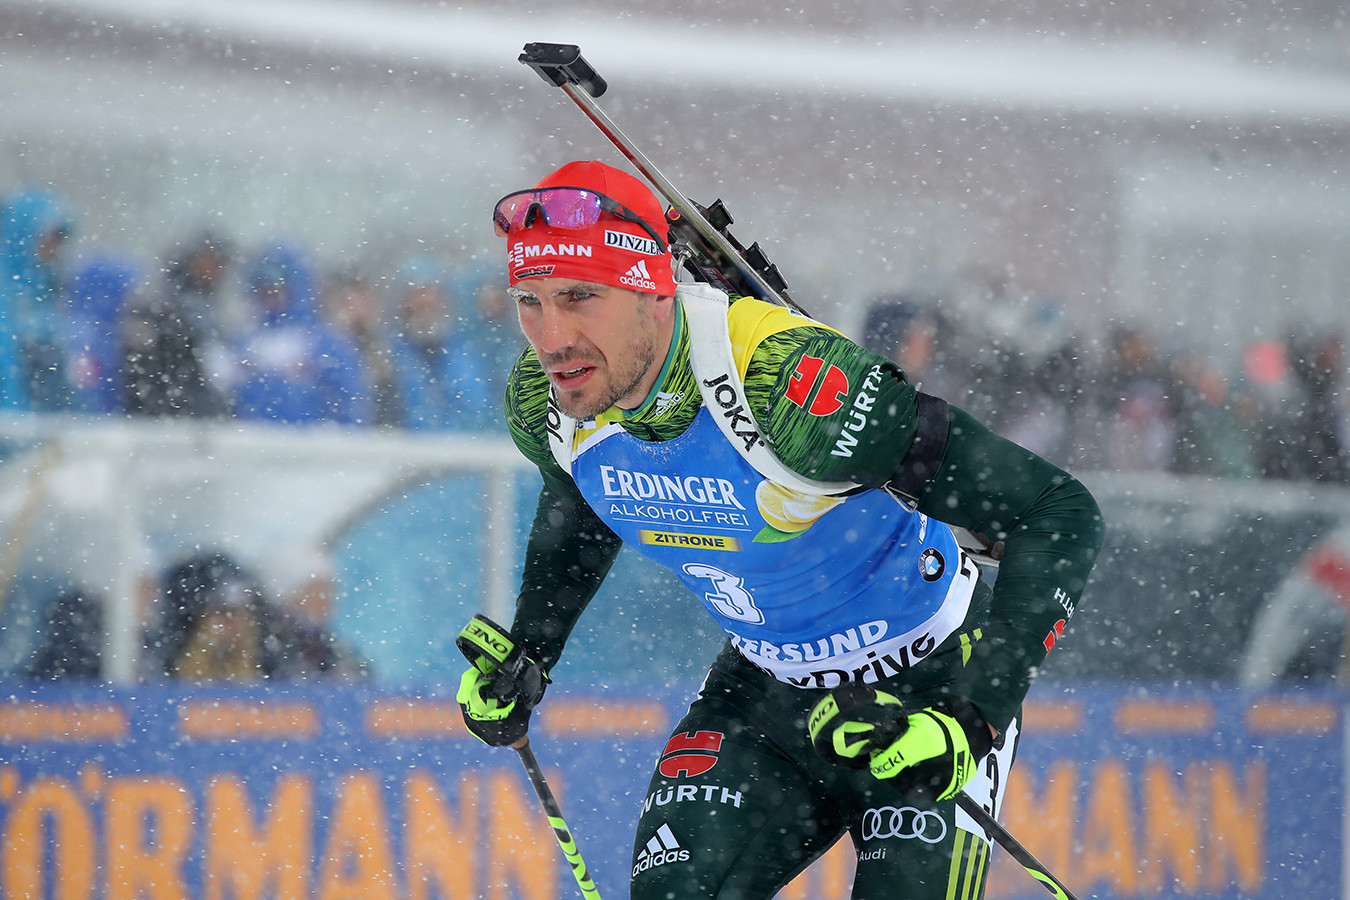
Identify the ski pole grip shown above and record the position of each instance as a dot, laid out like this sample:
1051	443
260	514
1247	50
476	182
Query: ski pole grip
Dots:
561	64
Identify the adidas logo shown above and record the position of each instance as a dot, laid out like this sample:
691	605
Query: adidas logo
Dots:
638	277
666	399
661	849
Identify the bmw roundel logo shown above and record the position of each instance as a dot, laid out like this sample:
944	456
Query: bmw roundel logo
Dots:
931	564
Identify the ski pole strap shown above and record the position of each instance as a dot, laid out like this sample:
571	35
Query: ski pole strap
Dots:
511	675
487	645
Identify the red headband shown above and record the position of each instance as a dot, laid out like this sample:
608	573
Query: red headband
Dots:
613	251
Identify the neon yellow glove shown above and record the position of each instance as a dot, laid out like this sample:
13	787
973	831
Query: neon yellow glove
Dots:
931	751
852	721
502	687
934	755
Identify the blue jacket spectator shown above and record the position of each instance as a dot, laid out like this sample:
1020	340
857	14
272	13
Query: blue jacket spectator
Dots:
352	307
34	225
291	367
439	371
491	319
100	292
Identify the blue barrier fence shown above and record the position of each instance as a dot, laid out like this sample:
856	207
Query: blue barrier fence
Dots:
161	792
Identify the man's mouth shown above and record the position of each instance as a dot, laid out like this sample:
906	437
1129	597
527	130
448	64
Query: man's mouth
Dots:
570	377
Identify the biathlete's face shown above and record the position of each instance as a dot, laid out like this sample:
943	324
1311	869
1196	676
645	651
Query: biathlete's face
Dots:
600	346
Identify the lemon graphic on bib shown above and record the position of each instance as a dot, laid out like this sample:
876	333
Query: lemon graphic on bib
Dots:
788	512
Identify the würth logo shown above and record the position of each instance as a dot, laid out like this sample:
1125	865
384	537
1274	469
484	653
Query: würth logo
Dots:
638	277
690	754
661	849
829	396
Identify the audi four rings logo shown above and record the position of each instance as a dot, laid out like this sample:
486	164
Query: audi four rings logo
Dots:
906	822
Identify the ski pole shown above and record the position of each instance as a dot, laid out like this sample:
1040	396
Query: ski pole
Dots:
555	819
1019	853
488	647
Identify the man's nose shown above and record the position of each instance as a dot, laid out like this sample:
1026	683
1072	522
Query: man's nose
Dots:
557	329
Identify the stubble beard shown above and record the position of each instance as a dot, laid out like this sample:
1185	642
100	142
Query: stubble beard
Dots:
620	383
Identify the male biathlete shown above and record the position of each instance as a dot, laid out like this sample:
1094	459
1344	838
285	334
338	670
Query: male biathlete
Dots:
803	489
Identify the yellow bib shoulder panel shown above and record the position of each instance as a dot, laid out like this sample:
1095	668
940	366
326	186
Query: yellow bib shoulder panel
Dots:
750	321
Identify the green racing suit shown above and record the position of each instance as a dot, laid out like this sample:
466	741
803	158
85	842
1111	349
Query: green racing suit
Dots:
754	805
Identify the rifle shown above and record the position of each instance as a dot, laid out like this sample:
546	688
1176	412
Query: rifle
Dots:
702	242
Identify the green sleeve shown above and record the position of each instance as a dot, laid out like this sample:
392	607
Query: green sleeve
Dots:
569	550
831	410
568	554
1051	529
858	419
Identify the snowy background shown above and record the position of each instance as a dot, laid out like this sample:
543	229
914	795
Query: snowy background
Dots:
1046	172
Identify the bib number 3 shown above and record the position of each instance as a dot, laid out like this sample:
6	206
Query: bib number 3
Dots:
728	594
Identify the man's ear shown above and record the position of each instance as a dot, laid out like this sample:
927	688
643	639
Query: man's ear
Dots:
662	306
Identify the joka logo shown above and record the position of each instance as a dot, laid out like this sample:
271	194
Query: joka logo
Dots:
690	755
661	849
832	391
638	277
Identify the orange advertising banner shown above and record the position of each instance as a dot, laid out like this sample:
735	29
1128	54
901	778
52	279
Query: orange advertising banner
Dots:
161	793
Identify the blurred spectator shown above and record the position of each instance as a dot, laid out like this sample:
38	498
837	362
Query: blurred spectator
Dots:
303	581
175	339
439	371
209	625
34	226
1135	404
291	367
992	315
1039	405
103	286
72	644
196	279
352	307
1303	437
496	330
1015	354
1040	379
216	623
1214	422
1022	379
913	334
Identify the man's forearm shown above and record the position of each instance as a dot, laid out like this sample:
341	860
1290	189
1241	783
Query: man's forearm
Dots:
1051	529
568	555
